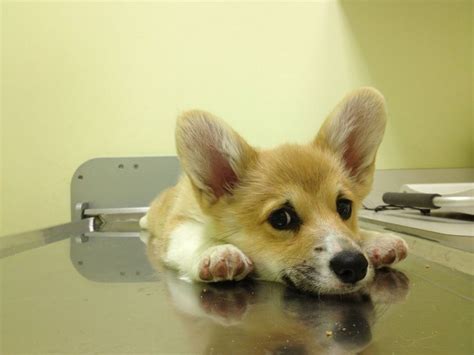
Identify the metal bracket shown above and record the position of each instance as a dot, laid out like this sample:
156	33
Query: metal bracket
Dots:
116	183
78	212
113	192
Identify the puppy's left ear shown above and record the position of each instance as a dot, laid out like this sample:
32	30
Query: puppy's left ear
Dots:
354	131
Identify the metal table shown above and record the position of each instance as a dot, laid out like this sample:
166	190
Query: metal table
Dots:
91	290
100	295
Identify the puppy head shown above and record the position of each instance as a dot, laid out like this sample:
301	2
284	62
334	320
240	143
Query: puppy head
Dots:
292	209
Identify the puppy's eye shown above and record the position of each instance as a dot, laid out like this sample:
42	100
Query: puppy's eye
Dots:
344	208
284	218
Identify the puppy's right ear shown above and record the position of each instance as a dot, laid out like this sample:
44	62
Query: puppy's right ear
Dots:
212	154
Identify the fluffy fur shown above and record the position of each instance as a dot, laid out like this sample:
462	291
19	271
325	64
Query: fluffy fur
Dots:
213	225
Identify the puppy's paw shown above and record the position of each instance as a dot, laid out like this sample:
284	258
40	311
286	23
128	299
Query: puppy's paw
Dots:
224	263
385	249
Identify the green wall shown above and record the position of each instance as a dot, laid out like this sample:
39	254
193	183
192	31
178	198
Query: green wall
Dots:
82	80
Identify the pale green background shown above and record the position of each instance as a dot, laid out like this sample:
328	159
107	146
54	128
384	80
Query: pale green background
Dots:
83	80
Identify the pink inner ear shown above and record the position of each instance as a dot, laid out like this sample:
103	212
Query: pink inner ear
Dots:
222	177
351	158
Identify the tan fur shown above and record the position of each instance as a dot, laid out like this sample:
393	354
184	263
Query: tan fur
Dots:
233	201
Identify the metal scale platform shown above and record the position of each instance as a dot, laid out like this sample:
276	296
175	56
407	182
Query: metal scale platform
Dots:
87	287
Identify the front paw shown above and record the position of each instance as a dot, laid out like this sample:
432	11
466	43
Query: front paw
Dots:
224	263
385	250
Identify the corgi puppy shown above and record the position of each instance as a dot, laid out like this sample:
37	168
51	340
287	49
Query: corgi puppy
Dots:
287	214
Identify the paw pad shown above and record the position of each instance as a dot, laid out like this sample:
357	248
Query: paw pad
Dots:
224	263
386	250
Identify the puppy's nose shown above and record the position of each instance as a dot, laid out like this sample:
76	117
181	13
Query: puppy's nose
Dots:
349	266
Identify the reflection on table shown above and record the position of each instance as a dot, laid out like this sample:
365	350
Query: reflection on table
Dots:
267	318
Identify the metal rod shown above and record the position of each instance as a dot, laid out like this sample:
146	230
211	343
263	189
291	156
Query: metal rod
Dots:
16	243
454	201
107	211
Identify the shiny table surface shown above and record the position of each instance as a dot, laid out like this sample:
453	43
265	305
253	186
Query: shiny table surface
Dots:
99	295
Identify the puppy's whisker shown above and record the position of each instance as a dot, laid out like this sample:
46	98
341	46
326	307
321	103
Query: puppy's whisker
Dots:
227	234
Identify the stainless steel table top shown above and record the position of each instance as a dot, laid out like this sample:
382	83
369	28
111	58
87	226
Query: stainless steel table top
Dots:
100	296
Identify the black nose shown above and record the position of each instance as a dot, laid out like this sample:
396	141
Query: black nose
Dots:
349	266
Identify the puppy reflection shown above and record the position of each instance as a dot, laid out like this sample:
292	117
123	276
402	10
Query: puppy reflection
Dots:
267	318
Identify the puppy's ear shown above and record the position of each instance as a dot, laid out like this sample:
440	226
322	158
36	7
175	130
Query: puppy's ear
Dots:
354	130
212	154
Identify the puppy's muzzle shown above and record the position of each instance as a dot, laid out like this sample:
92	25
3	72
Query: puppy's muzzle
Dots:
349	266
